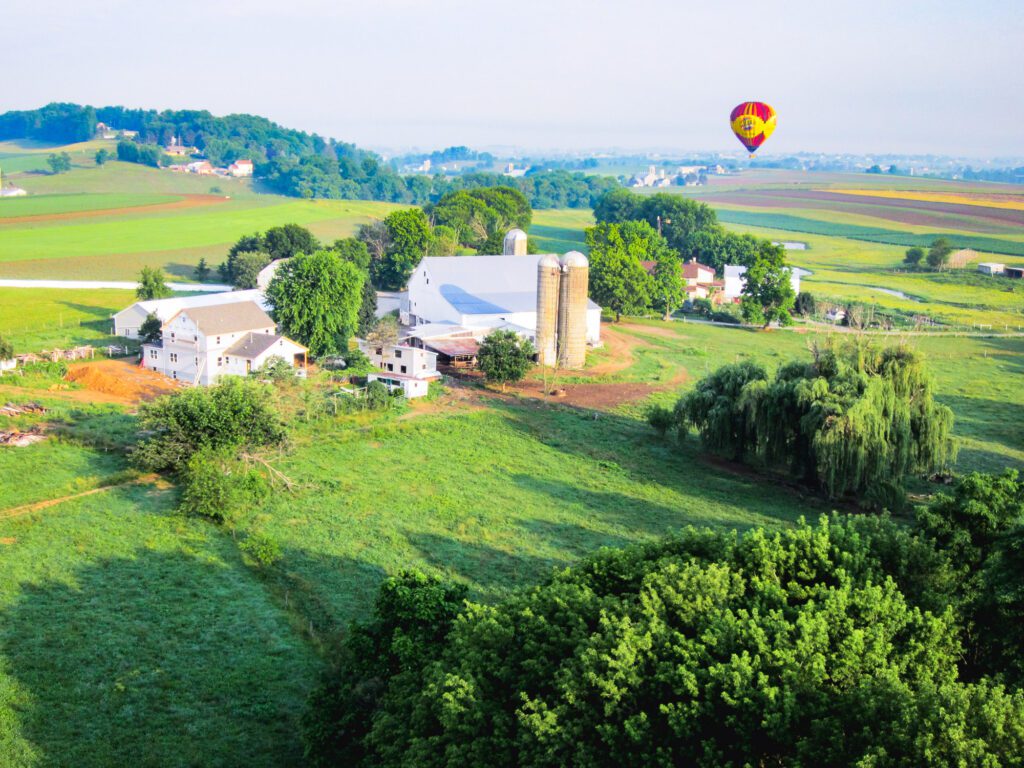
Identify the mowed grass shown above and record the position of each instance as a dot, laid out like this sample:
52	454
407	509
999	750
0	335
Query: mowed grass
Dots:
132	636
41	318
560	231
493	498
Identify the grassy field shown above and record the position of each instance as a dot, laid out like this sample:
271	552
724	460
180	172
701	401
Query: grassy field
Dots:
39	318
56	204
129	634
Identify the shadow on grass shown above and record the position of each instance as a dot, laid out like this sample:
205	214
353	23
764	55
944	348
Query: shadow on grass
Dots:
990	420
622	444
488	571
158	659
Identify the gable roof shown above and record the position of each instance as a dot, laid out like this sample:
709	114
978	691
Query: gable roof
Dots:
252	345
692	269
228	318
165	309
486	285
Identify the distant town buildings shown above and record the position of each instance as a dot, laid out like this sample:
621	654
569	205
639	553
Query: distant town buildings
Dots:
684	175
10	191
513	172
241	168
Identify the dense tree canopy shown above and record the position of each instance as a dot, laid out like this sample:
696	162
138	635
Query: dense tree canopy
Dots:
767	291
618	280
407	236
803	647
234	413
481	217
288	161
315	299
852	421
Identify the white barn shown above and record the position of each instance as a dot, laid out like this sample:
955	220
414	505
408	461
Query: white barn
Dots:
480	292
128	321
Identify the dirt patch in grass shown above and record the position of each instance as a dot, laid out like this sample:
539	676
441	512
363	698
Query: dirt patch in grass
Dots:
122	380
188	201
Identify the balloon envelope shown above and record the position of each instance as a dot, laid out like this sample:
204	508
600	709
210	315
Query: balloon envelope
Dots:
752	122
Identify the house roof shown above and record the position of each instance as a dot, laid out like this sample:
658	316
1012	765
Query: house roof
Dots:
229	318
692	269
486	285
165	309
252	345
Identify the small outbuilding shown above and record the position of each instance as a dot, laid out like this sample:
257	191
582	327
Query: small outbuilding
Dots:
991	268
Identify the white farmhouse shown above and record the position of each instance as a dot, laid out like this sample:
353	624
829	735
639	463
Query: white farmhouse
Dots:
199	345
734	281
481	293
128	321
409	369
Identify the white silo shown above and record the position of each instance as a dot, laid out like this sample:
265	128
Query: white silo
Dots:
514	243
572	311
549	272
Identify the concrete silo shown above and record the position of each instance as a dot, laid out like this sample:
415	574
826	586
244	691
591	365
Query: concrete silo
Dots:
549	273
572	311
514	243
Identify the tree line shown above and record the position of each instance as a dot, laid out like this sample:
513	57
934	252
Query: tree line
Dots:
666	230
290	162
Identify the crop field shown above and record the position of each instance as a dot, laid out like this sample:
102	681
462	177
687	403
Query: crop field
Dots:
124	626
51	205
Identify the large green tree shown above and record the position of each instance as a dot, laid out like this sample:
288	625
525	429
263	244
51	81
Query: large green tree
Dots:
151	285
768	294
408	235
315	299
505	357
799	647
853	421
288	240
938	254
618	280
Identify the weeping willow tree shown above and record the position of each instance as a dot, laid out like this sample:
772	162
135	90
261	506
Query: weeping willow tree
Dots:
852	421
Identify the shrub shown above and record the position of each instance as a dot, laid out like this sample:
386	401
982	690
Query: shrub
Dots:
263	550
235	413
218	486
662	419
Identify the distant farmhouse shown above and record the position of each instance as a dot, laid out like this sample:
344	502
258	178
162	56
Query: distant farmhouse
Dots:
402	367
684	175
201	344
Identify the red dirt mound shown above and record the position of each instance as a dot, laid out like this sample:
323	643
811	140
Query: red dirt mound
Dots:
121	379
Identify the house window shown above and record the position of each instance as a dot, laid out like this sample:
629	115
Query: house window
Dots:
227	361
403	369
391	367
174	357
172	335
220	361
398	353
380	351
218	340
174	374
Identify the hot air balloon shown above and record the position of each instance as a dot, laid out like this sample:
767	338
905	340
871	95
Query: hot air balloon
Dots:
752	122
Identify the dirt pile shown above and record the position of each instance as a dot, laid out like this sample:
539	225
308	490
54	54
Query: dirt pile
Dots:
121	379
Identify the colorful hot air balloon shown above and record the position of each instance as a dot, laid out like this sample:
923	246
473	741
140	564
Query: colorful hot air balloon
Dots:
752	122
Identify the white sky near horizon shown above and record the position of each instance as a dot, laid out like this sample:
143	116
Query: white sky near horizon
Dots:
873	76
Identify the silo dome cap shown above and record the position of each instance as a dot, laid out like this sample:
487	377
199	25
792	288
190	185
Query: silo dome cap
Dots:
575	259
516	232
549	260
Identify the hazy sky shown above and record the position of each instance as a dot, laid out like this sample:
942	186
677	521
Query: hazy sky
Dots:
911	76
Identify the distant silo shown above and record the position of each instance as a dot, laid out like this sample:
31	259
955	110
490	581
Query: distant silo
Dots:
514	243
572	311
549	271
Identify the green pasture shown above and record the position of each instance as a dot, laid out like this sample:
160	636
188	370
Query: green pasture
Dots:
42	318
119	178
124	626
559	231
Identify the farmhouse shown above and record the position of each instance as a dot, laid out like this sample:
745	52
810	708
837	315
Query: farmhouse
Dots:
199	345
241	168
480	294
128	321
